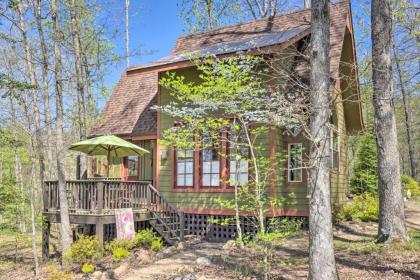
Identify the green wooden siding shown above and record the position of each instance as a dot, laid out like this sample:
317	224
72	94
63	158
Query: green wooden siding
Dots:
205	199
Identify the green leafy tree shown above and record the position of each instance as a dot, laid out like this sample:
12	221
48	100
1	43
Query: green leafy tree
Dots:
365	176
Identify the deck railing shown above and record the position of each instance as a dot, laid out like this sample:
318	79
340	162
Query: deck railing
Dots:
98	196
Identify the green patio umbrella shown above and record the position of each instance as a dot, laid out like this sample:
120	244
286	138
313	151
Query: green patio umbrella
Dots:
109	146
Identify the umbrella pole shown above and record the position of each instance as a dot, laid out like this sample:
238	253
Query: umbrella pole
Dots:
109	163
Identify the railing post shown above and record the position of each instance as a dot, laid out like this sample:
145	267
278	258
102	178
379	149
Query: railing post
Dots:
100	188
181	226
99	227
45	196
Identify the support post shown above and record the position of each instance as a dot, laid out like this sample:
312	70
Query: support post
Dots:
100	230
181	225
46	228
99	222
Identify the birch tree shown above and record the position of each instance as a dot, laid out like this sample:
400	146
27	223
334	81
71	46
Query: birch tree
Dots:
65	229
391	202
321	248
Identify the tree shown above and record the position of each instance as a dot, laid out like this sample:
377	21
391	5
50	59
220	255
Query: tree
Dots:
127	54
365	175
81	106
321	248
391	202
65	229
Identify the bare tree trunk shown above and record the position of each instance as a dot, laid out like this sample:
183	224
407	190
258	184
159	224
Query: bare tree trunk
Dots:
65	229
407	115
127	53
46	98
32	147
18	173
306	4
321	248
31	72
391	202
79	83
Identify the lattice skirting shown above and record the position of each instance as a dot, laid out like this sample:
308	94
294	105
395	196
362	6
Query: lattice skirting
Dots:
110	231
218	228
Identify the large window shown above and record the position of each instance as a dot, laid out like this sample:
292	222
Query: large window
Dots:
238	159
210	163
184	159
294	162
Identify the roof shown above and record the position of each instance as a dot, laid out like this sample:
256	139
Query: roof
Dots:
128	111
260	40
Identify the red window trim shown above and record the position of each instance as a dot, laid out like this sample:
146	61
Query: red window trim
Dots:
175	173
200	171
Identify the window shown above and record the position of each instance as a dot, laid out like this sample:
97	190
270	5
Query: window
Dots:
184	159
238	159
133	166
210	163
335	149
294	162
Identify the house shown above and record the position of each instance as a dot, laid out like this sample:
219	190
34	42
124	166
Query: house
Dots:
128	113
189	190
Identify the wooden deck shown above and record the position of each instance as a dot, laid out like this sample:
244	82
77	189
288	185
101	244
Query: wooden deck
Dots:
93	202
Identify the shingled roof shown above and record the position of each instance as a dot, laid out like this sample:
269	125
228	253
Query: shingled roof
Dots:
128	110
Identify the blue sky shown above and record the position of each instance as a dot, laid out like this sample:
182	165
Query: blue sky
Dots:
155	26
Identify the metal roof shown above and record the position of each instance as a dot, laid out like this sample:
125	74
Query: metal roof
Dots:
260	40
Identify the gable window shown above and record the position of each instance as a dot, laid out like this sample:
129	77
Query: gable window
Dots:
238	159
184	159
294	162
210	163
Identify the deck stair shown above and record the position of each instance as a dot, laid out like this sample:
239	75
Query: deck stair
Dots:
165	218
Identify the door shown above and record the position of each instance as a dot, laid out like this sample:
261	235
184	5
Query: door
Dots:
140	168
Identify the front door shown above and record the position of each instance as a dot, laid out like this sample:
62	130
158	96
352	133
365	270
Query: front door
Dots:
140	168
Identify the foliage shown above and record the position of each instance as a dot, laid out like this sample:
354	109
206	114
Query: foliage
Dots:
365	177
119	253
266	243
85	249
364	208
411	187
156	245
88	268
145	238
123	244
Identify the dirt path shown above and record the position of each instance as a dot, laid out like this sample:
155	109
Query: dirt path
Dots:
180	263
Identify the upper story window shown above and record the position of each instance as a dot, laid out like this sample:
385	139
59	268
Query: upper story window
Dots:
210	162
184	165
294	162
238	156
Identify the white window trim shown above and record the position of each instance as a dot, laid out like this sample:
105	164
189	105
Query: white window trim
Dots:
288	163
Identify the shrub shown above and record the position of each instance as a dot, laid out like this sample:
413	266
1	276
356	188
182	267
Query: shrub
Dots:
120	253
144	238
124	244
411	187
85	249
364	208
156	245
88	268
